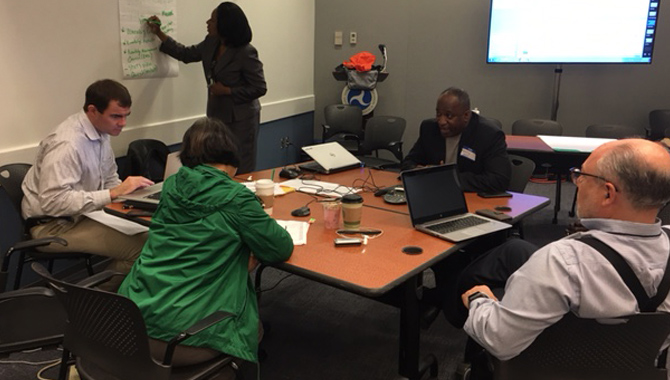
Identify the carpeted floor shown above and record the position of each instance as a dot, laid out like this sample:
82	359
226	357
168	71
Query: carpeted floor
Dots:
318	332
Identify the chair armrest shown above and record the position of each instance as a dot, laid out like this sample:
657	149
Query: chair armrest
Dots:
324	132
350	136
202	324
30	244
396	148
37	291
34	243
99	278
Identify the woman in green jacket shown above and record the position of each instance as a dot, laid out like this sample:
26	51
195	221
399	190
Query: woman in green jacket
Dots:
199	251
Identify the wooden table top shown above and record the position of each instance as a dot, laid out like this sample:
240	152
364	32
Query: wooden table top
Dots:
375	268
379	266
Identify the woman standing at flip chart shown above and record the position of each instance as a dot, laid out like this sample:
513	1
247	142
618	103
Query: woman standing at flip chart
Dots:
233	71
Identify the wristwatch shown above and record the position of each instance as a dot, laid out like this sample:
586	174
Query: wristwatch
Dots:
476	295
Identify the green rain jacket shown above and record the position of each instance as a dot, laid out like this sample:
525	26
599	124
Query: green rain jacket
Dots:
195	261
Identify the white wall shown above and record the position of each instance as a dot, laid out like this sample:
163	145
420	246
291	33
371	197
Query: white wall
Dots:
52	50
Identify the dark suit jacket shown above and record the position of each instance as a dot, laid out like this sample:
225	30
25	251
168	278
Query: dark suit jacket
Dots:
491	169
238	68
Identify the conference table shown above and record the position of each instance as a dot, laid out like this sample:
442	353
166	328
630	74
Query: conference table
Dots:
379	269
534	148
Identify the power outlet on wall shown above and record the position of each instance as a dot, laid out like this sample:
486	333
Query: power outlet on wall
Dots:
353	38
284	142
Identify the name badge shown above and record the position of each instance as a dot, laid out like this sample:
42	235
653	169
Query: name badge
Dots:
468	153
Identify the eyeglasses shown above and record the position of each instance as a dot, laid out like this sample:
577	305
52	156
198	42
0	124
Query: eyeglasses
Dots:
575	173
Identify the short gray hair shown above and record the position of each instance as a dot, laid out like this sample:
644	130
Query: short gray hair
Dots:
460	94
645	185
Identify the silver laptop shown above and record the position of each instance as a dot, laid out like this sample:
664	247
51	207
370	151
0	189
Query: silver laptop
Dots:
150	195
330	158
437	205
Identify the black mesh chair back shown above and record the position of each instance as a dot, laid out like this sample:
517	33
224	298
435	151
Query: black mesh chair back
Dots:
534	127
11	178
659	121
14	229
611	131
147	158
30	318
522	170
384	132
343	118
106	332
344	124
492	121
576	349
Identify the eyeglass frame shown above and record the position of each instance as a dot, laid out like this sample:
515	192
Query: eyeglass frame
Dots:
576	172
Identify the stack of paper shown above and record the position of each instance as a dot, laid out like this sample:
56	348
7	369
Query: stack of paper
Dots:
298	230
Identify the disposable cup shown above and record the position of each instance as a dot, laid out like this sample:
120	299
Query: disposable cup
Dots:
331	214
265	190
352	211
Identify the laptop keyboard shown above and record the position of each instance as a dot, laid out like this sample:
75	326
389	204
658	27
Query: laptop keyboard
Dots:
156	195
455	225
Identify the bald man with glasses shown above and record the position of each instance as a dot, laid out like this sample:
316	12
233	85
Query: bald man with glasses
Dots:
622	186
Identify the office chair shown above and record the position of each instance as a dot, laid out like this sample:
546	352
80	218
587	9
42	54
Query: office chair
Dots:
659	121
16	235
29	318
344	124
534	127
106	335
578	349
522	170
147	158
382	132
493	121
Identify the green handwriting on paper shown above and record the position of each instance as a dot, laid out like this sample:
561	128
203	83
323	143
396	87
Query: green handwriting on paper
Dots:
139	46
139	69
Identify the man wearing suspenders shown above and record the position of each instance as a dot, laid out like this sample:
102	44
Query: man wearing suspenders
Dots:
615	268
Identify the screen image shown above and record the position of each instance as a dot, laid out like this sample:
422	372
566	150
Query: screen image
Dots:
572	31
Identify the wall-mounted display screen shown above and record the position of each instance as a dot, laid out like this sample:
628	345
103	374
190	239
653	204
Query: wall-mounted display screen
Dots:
572	31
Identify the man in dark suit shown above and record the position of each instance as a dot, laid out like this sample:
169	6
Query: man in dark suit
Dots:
458	136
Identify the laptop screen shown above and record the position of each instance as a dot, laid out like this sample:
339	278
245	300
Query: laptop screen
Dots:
433	193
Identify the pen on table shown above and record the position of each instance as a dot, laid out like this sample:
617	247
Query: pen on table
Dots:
272	177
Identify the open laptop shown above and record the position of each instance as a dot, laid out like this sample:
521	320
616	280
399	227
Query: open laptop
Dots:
149	196
329	158
437	205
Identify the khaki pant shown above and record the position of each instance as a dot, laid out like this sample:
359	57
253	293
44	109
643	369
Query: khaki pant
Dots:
88	236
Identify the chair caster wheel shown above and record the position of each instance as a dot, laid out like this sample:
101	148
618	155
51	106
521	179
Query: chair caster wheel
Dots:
463	371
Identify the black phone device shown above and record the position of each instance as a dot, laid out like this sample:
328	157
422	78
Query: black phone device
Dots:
341	242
